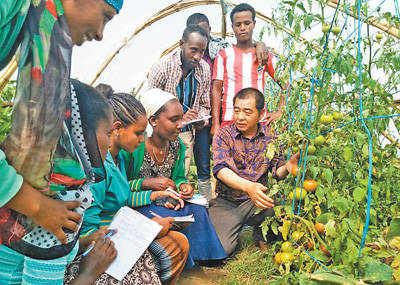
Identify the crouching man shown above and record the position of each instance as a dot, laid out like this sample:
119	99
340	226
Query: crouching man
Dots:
241	169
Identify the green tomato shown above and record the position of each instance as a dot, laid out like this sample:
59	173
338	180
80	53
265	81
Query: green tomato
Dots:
286	247
320	140
326	119
325	28
337	116
286	257
296	235
311	149
337	131
379	36
336	30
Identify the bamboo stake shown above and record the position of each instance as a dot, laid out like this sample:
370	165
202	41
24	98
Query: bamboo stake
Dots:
181	5
392	140
9	71
6	104
223	22
373	21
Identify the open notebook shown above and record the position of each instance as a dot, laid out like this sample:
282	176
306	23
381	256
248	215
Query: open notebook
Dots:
134	235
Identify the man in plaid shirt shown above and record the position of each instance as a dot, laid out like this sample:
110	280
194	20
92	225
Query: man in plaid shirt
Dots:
186	75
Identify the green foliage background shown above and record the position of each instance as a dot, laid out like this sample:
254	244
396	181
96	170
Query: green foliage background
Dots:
6	97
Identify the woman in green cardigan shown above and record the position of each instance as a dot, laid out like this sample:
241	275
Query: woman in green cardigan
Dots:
169	250
158	164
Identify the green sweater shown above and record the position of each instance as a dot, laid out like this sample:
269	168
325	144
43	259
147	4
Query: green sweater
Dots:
134	161
109	195
10	181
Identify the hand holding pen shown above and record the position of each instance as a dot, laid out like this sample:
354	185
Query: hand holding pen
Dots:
91	247
99	259
190	113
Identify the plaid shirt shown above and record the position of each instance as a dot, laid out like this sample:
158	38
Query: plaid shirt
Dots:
167	73
246	157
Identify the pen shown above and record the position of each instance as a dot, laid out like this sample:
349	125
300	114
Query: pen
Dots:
155	215
186	106
92	246
158	216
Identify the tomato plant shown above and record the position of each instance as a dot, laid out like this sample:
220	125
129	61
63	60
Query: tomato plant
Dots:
323	119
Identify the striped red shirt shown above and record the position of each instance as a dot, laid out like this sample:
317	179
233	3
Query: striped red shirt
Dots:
238	70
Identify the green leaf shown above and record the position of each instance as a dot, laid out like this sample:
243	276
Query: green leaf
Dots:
271	151
330	228
301	7
331	278
308	20
328	175
324	218
359	194
375	271
342	204
394	228
290	18
386	252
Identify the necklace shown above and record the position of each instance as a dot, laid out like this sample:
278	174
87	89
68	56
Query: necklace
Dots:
163	153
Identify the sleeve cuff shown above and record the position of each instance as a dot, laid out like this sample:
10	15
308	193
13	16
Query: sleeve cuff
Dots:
136	184
10	182
218	167
138	199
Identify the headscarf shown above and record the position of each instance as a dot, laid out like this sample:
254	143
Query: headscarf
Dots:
42	94
152	101
116	4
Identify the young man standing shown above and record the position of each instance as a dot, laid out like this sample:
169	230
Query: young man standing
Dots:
236	68
186	75
203	139
241	169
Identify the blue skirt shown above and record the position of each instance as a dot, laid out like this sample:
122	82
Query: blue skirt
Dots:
203	240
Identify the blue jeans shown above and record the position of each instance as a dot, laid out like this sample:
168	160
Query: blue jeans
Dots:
202	153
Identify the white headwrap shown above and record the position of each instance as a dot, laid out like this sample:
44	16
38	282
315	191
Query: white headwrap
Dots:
152	101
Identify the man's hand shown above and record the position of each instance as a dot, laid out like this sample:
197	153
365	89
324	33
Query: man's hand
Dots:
256	193
187	191
293	161
190	115
54	215
261	53
166	224
268	118
158	184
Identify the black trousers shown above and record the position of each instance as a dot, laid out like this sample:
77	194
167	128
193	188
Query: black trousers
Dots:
229	217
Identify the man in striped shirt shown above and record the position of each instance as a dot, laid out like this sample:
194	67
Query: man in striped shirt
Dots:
237	67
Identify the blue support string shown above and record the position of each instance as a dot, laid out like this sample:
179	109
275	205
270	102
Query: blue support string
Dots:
366	225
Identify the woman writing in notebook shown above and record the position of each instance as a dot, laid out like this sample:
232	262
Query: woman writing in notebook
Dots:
170	249
157	165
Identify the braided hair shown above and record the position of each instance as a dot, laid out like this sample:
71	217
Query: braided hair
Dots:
126	108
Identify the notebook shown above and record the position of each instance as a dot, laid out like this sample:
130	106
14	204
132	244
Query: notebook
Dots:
134	235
